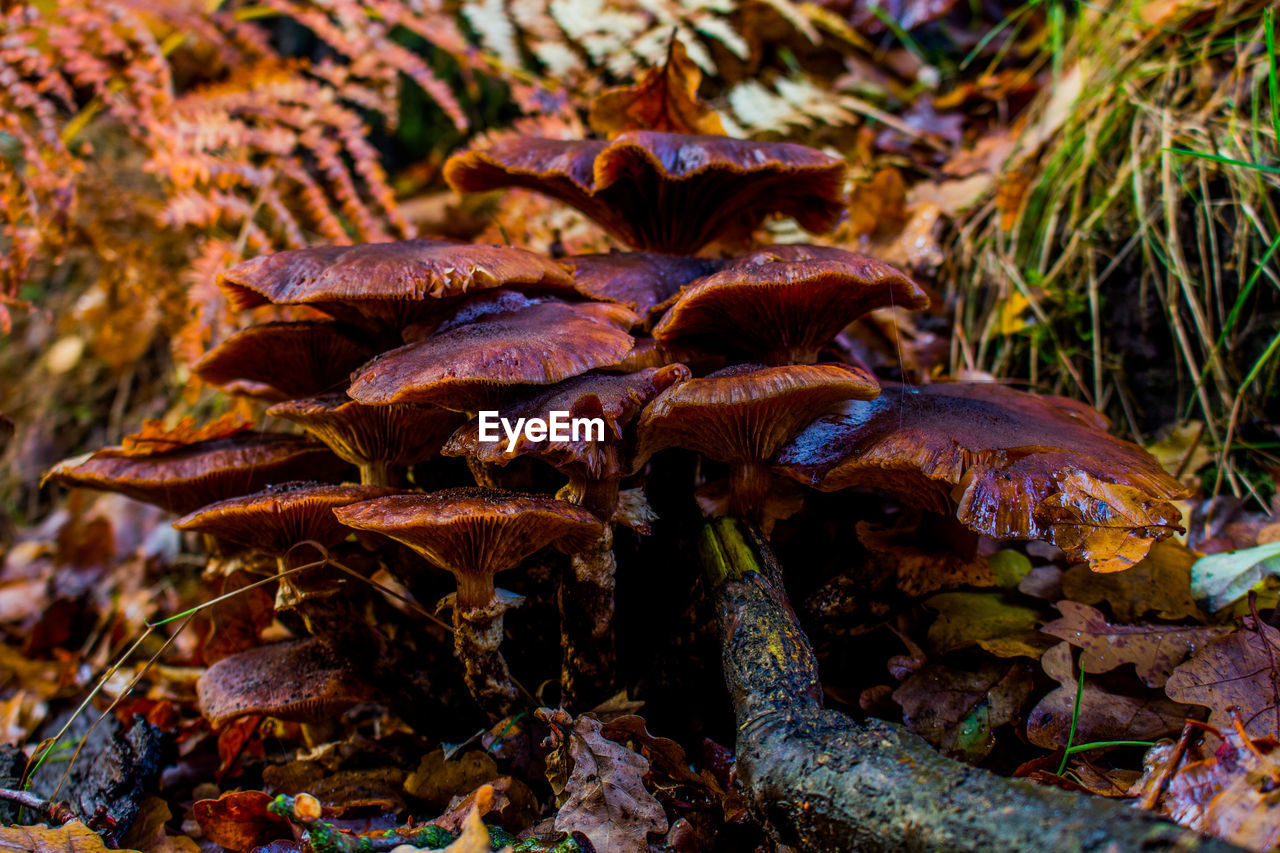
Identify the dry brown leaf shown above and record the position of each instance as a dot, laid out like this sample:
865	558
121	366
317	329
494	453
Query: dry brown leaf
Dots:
959	711
1154	650
148	831
1160	583
664	99
437	779
1238	670
239	820
73	837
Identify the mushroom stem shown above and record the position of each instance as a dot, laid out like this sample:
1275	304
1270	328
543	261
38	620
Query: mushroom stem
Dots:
484	473
586	619
376	472
749	484
477	640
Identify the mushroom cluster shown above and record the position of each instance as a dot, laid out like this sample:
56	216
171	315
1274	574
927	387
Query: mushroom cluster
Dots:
682	343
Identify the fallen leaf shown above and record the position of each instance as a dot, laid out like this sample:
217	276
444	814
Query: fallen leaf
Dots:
438	780
72	837
1220	579
1160	584
663	99
959	711
1237	670
239	820
148	831
923	564
1154	650
1181	451
965	618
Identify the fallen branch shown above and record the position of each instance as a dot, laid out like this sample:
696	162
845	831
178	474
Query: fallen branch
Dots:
824	783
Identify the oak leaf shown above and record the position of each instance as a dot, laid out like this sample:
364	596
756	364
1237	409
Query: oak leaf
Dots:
1160	583
664	99
1109	524
1238	670
968	618
72	837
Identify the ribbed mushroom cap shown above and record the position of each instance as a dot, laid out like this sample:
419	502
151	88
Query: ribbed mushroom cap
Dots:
276	518
398	434
1011	465
747	412
387	285
298	680
186	477
476	365
639	280
665	192
293	359
475	533
783	311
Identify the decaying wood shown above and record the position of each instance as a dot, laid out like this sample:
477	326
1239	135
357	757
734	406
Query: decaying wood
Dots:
823	782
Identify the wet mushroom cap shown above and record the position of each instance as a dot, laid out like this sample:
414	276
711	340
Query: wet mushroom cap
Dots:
279	517
296	680
665	192
747	412
293	359
1011	465
476	365
398	434
386	284
783	310
639	280
475	533
189	476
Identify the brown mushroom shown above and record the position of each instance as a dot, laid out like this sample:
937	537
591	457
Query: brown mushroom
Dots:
386	285
743	415
291	359
477	365
1010	465
665	192
377	439
782	305
181	477
639	280
473	534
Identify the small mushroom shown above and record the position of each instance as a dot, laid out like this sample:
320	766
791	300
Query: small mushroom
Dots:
783	304
743	415
474	534
479	364
665	192
639	280
386	285
291	359
1010	465
182	477
377	439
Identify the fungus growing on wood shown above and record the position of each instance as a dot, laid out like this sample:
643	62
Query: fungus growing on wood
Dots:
474	534
184	477
377	439
1010	465
743	415
477	365
291	359
665	192
782	307
639	280
386	285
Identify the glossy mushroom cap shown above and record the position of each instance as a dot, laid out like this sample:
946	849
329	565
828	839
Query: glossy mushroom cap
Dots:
184	477
372	437
279	517
477	365
639	280
783	306
298	680
475	533
1011	465
386	285
665	192
586	459
292	359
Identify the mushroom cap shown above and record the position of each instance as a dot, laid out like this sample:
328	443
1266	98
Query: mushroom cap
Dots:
746	413
615	399
639	280
398	434
184	477
782	310
293	359
473	366
665	192
386	284
1011	465
475	533
298	680
276	518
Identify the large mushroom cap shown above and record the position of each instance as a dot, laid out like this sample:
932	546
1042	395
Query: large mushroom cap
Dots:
475	533
639	280
746	413
277	518
386	284
665	192
292	359
1011	465
473	366
783	304
185	477
296	680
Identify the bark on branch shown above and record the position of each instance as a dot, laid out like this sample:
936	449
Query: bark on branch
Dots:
825	783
